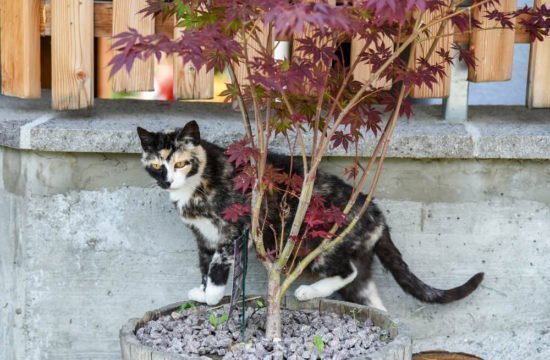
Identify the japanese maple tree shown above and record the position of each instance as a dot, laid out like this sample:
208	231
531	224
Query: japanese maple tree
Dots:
312	100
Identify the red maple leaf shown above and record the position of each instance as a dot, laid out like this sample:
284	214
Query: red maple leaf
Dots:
245	179
241	152
339	138
235	211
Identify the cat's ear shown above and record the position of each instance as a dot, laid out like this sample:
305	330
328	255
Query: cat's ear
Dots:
189	135
147	138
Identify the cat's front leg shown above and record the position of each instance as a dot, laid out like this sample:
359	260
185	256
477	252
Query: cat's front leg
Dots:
218	274
198	293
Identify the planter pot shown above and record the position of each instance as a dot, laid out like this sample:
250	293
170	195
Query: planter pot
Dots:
399	348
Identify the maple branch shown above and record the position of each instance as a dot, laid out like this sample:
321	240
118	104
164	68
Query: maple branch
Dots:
328	244
451	15
298	133
307	187
341	90
357	188
257	191
242	105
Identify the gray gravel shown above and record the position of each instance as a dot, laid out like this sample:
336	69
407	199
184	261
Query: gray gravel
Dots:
191	333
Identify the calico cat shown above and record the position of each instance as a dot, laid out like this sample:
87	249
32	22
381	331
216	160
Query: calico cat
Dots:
198	176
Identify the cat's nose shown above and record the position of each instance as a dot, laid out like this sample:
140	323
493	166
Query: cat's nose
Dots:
165	184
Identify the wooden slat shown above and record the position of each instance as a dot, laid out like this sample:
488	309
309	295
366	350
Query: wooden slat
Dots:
538	90
308	32
72	54
493	48
190	83
20	44
253	50
103	21
103	26
363	71
125	15
442	88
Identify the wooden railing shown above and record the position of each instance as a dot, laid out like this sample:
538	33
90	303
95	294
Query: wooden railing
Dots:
29	64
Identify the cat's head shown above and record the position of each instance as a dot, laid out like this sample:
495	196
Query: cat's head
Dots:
174	159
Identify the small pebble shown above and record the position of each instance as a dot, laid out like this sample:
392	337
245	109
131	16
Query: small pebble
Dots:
191	333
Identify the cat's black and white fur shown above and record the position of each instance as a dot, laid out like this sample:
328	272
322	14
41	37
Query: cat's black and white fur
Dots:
198	179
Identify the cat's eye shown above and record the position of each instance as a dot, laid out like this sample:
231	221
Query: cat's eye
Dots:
181	164
156	166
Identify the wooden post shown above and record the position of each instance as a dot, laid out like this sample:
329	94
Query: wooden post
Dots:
125	15
72	54
363	71
190	83
442	87
493	49
20	44
253	50
538	88
308	32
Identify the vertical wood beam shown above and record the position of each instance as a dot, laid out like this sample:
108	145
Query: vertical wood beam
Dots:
72	54
493	48
190	83
538	87
20	44
125	15
264	33
308	32
363	71
442	88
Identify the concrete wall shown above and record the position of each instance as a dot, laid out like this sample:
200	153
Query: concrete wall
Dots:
86	243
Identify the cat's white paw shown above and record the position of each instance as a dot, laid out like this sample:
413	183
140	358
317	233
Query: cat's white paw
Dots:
197	294
305	292
214	293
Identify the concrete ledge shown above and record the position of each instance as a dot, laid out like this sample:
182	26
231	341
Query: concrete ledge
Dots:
109	127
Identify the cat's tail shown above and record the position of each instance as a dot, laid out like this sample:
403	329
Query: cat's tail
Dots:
391	258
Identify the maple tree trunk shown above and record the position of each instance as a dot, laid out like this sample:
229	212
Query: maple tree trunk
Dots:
273	326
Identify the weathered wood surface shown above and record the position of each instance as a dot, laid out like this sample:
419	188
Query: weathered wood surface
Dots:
125	15
400	348
442	88
20	47
538	89
363	71
308	32
189	82
253	50
493	48
72	54
103	26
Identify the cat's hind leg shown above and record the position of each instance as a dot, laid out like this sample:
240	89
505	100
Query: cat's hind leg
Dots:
370	293
363	289
335	280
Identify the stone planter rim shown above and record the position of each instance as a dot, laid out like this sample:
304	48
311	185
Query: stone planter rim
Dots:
401	344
